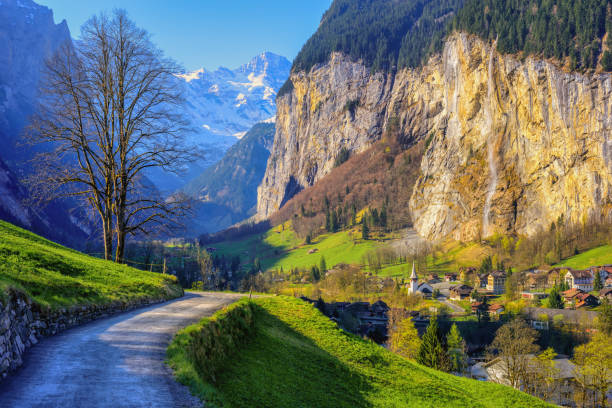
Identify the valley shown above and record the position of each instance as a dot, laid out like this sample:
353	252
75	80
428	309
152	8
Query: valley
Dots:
413	209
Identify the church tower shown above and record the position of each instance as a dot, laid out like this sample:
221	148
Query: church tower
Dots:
414	281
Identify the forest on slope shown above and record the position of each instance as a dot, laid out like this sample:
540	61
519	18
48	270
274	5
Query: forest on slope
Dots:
387	35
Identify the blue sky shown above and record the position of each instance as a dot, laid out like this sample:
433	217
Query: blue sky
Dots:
209	33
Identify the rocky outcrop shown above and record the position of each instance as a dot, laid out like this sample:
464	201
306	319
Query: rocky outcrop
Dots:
513	145
339	104
23	323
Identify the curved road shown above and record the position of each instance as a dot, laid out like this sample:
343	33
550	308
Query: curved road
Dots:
110	363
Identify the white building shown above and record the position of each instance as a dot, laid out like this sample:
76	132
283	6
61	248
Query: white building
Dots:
423	289
582	280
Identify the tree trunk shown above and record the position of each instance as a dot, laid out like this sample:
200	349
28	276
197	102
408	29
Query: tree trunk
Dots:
108	239
120	252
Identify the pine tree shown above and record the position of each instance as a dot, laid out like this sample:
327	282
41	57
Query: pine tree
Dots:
365	231
323	265
433	352
456	350
597	284
554	299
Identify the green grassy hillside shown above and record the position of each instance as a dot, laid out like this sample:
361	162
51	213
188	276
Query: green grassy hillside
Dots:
57	276
297	357
601	255
280	247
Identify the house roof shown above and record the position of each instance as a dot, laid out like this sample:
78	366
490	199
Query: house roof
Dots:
498	274
565	367
495	307
462	289
581	274
569	294
380	304
605	292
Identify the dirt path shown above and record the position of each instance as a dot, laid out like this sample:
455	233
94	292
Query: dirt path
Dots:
114	362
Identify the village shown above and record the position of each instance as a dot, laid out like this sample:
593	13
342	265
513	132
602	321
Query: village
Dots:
480	299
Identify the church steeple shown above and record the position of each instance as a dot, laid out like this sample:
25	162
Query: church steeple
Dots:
413	276
414	281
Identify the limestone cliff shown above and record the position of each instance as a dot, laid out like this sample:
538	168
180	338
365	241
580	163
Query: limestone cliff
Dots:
512	144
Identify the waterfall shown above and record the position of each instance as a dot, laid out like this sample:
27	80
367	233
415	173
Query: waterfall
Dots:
488	129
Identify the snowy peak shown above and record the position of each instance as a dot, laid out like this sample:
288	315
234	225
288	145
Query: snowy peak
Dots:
228	102
266	63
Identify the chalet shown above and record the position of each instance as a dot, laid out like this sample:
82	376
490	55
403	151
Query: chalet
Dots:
460	292
582	280
570	295
556	275
585	300
380	307
605	294
433	278
496	309
536	280
578	298
481	280
450	277
496	282
466	273
608	282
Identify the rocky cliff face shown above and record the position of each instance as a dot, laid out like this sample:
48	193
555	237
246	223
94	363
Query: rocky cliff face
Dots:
512	145
339	104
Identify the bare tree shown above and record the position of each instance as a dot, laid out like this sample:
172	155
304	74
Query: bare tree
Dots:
111	109
514	344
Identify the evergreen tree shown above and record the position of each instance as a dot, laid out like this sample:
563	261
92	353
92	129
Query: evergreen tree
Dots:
365	231
315	274
597	284
456	350
433	352
555	301
323	265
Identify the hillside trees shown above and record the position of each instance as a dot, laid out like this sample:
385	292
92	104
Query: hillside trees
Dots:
110	113
561	29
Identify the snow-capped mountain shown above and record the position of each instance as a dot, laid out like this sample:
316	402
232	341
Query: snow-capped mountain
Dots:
222	105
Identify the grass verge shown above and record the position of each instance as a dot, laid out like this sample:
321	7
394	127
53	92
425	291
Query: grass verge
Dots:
56	276
296	357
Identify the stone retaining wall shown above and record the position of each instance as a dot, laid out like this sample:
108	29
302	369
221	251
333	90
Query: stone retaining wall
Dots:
23	323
